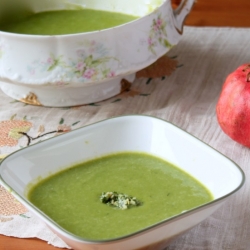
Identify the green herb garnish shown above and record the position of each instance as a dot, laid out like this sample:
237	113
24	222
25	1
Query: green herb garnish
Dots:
119	200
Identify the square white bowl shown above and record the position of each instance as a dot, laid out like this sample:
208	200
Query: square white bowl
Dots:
126	133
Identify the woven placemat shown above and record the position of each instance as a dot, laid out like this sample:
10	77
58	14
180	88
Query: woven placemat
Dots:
9	205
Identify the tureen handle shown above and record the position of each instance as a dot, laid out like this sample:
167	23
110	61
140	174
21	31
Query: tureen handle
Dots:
181	12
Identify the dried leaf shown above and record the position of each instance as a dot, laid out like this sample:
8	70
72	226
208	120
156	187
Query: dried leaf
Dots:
130	93
125	85
164	66
126	90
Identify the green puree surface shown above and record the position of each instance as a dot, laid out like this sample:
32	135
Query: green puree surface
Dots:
72	197
62	22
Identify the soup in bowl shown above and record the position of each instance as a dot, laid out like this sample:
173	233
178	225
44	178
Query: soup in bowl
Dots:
127	183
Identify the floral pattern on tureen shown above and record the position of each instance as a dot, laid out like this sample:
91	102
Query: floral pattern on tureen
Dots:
158	34
91	63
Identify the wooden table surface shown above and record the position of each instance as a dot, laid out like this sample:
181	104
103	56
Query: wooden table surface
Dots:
204	13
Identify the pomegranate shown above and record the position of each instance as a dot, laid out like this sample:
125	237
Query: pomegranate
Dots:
233	107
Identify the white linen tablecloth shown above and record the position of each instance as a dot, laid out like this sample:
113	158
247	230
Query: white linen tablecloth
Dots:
186	98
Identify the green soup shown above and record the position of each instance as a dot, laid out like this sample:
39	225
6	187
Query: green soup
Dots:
67	22
72	197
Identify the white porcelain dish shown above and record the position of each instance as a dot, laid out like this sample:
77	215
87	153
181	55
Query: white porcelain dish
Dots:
76	69
127	133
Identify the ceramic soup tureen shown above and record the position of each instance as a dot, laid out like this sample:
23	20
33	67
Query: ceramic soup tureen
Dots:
76	69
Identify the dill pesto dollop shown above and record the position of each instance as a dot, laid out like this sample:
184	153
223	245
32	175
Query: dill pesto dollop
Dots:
119	200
